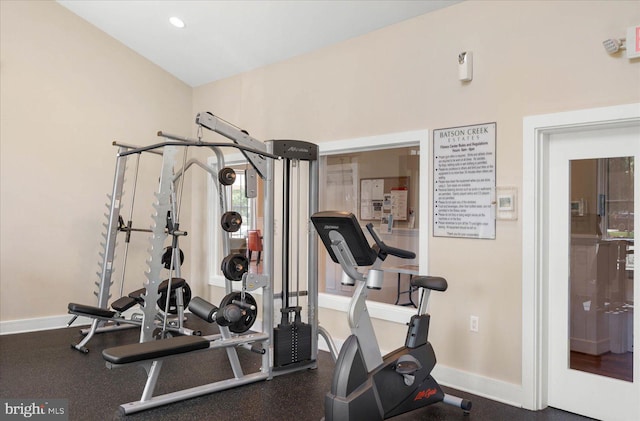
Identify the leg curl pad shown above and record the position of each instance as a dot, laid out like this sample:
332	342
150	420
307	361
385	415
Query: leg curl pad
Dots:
203	309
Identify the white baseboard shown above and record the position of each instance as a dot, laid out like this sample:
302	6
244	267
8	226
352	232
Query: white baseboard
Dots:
40	323
486	387
497	390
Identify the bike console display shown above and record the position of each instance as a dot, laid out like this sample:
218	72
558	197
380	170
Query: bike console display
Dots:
347	225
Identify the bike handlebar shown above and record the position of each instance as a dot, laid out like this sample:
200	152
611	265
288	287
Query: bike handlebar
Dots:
403	254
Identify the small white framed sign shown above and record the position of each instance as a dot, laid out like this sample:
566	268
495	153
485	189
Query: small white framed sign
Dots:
506	203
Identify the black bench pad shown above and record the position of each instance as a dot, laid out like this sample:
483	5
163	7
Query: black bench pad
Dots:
75	308
162	288
154	349
137	295
175	284
123	304
435	283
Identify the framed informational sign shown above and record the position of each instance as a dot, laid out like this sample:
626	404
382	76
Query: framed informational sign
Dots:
464	181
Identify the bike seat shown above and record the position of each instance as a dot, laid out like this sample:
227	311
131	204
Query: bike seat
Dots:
435	283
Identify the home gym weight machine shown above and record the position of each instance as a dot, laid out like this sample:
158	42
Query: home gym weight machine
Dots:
105	319
367	385
294	341
287	347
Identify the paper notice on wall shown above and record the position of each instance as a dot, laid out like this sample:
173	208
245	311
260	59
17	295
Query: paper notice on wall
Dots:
464	174
399	204
371	198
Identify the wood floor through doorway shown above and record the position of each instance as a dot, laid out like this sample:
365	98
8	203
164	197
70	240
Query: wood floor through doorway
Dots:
618	366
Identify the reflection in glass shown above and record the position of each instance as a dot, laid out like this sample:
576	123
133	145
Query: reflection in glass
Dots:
373	184
601	266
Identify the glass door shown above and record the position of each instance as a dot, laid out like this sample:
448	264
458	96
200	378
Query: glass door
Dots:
591	217
601	296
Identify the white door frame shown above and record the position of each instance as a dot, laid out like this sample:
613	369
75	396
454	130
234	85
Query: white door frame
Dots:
536	133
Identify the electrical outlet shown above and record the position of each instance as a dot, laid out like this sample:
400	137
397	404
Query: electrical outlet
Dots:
474	323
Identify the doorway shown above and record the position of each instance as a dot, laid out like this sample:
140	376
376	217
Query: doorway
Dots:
590	291
560	246
601	262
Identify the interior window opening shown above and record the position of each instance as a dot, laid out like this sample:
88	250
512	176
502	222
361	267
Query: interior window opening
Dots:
379	187
246	207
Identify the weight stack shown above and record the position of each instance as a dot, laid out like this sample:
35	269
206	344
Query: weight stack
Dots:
291	340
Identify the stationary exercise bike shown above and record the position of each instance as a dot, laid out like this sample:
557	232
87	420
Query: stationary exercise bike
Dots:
366	385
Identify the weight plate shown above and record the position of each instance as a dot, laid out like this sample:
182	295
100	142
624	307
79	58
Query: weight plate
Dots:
234	266
173	306
231	221
226	176
166	257
249	315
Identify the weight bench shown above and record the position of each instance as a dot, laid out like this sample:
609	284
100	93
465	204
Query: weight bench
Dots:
101	315
122	304
153	350
151	355
90	311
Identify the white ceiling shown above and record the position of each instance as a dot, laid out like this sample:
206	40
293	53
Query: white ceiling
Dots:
223	38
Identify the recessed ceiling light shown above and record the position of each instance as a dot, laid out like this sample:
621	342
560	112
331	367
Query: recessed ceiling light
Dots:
176	21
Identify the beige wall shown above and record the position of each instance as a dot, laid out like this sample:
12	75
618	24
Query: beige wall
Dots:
68	90
530	57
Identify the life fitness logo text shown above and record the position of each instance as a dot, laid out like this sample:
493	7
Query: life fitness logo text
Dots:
425	394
